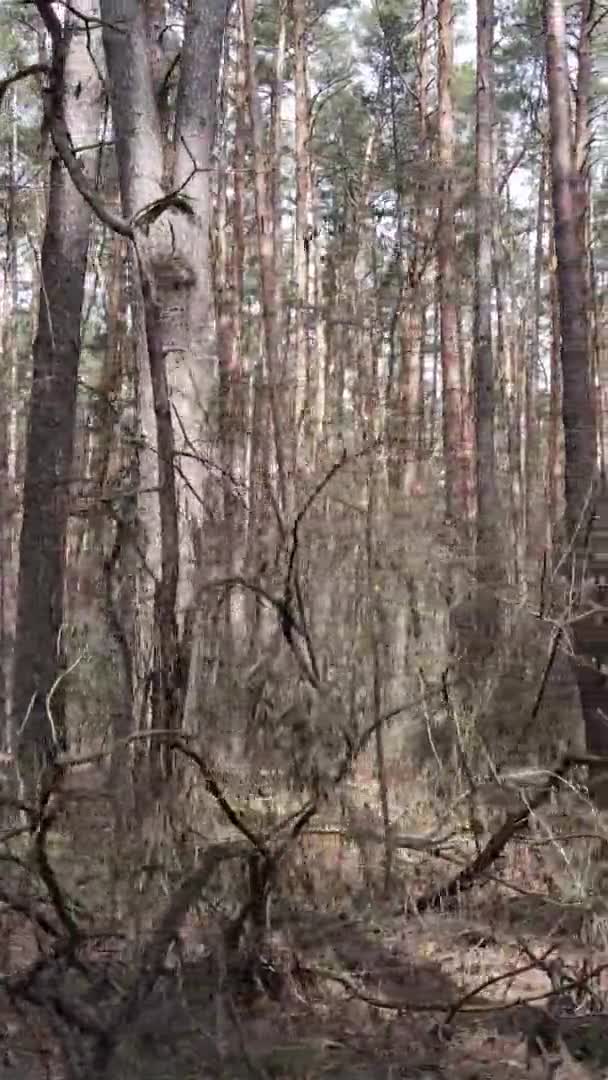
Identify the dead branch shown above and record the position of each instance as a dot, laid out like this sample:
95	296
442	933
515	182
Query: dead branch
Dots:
447	895
32	912
493	980
23	73
51	883
215	791
460	1005
394	1004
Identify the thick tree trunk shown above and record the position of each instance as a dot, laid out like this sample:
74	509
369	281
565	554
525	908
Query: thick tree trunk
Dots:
165	190
577	399
567	179
192	377
38	699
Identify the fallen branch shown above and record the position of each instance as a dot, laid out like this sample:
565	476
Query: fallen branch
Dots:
391	1004
460	1004
447	895
493	980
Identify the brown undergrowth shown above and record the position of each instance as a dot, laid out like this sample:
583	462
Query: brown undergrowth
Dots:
329	976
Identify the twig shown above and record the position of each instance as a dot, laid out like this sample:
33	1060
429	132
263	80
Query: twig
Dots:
484	1008
49	698
51	883
493	980
395	1004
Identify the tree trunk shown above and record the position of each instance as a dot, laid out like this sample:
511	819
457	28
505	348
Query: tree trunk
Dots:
577	400
532	521
8	408
489	560
38	700
265	228
555	434
303	234
166	191
455	464
568	163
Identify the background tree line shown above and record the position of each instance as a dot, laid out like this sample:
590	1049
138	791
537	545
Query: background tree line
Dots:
302	445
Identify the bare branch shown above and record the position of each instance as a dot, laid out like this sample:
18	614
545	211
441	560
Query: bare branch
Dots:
23	73
214	789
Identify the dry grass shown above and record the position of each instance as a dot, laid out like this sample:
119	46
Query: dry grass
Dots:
362	989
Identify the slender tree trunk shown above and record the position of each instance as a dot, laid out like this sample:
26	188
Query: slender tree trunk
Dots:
453	390
376	629
265	225
532	361
507	378
322	347
303	234
555	434
38	713
8	425
582	121
277	138
487	546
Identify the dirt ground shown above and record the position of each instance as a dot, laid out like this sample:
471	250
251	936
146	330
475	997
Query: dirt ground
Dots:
367	997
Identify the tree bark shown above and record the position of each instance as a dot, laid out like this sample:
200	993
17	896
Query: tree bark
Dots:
8	409
303	232
577	400
453	391
38	721
165	192
532	522
487	539
568	162
265	229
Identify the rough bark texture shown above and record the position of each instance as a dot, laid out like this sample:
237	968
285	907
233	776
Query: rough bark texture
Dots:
567	167
531	376
38	721
174	242
446	246
488	548
196	123
165	191
577	402
8	408
265	228
303	236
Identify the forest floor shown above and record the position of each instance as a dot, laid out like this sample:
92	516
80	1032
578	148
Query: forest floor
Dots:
508	983
369	996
